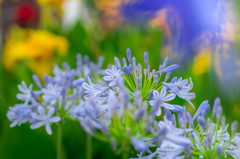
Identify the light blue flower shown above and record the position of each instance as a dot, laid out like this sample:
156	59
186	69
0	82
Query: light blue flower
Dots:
37	81
202	122
78	111
25	94
113	75
51	94
93	90
213	137
234	127
19	114
88	69
151	156
128	70
164	69
163	98
129	55
60	76
113	112
215	107
202	108
44	119
117	63
140	145
78	82
171	140
234	149
169	150
62	92
174	131
146	60
181	88
92	115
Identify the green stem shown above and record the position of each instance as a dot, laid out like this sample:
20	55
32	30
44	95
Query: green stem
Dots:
125	155
59	141
89	146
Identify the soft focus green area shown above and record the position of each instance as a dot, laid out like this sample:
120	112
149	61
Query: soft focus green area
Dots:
22	142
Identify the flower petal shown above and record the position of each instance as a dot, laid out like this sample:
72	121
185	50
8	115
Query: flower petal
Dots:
158	112
169	97
41	111
36	125
163	91
168	106
54	119
50	112
48	129
36	116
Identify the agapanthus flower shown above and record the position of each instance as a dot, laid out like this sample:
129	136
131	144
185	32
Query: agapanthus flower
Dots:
19	114
181	89
26	92
137	77
170	141
51	94
112	75
55	98
122	106
234	149
164	69
127	104
163	98
93	90
169	150
212	138
139	145
43	119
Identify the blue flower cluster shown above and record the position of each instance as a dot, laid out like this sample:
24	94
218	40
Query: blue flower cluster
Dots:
130	106
51	102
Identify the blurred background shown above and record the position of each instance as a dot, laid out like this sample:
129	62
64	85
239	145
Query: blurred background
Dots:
202	36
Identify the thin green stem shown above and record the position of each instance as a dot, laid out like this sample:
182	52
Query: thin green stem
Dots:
125	155
59	141
89	146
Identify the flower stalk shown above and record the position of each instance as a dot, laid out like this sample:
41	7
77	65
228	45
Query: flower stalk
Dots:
89	146
125	155
59	141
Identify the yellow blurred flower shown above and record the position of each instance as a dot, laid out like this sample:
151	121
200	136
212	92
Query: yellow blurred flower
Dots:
50	2
202	62
36	47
